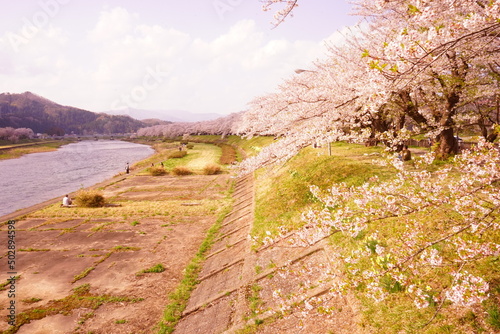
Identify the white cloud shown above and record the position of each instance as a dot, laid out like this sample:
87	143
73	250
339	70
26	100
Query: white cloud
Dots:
152	66
112	24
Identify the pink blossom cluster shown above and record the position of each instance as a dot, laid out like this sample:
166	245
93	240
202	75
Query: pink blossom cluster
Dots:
14	135
281	14
467	289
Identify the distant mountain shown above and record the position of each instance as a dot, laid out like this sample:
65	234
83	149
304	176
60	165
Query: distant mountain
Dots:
28	110
166	115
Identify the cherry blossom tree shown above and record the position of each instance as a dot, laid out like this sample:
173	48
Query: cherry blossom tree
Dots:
431	65
14	135
220	126
426	60
336	99
435	53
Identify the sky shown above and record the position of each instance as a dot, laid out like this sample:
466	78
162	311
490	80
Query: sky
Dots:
200	56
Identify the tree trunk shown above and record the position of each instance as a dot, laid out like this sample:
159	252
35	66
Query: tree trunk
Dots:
447	144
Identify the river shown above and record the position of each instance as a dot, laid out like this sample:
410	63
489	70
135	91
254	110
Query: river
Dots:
37	177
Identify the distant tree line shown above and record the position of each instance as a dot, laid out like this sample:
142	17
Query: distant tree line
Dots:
220	126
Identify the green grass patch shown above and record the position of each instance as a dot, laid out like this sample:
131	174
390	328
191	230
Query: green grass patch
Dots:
177	154
283	192
199	156
250	146
158	268
31	300
34	250
254	300
125	249
7	284
35	146
229	155
493	318
83	274
136	209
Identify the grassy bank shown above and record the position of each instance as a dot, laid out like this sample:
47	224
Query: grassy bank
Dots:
198	152
282	194
243	146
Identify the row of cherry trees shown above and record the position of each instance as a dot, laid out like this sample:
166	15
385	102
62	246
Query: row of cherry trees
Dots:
15	135
412	67
219	126
428	66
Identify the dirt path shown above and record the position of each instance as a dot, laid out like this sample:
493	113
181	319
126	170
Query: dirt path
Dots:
81	270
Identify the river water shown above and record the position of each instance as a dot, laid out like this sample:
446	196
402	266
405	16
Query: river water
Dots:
37	177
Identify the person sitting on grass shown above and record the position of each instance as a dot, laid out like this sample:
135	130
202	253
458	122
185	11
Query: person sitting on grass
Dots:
66	201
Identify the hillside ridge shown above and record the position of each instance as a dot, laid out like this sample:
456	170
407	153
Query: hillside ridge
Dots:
29	110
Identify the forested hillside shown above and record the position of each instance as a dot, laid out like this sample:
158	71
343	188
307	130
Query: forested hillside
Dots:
28	110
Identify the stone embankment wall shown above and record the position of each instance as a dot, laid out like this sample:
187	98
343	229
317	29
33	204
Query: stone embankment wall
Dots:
235	278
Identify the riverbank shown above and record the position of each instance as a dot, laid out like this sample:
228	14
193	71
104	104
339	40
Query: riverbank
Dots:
17	150
109	270
19	214
137	168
